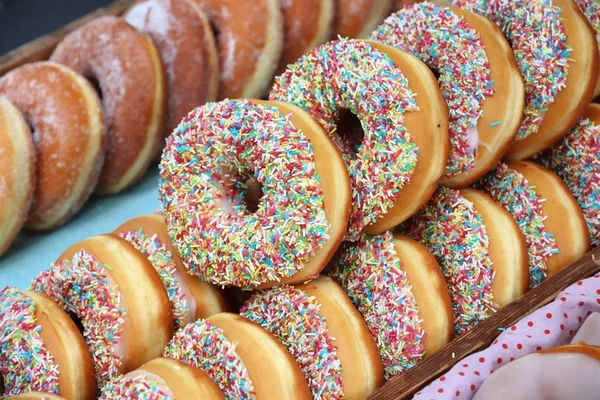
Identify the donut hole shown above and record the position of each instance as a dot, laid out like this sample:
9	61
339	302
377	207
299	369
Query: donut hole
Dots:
1	385
350	130
77	321
253	194
96	85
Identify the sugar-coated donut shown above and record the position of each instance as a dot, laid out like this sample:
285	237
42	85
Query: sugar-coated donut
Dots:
306	25
41	349
131	79
17	172
478	76
576	159
591	10
118	297
555	48
243	359
221	152
480	249
36	396
327	336
162	379
539	201
68	132
400	291
187	45
357	18
190	297
367	80
249	40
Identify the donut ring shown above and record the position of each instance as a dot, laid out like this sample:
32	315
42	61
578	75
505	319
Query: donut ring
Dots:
349	74
400	291
162	379
559	71
591	10
249	41
576	159
538	201
68	132
132	82
41	349
357	18
242	358
191	298
307	318
124	309
17	172
187	46
229	142
480	249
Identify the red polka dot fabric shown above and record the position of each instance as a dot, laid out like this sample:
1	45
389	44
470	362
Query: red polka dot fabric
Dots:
550	326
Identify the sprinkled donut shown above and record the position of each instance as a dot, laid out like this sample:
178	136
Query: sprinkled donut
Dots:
162	379
478	76
556	52
591	10
36	396
118	297
236	146
41	349
480	249
576	159
326	335
243	359
131	79
357	18
399	289
68	132
366	80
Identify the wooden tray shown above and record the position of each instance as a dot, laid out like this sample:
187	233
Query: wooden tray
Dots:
407	384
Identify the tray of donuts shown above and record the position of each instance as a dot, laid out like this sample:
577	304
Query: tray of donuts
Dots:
380	210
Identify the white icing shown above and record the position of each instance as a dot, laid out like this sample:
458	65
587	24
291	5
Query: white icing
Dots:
473	137
589	332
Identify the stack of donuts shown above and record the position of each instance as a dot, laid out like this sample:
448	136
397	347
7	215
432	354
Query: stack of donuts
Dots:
380	202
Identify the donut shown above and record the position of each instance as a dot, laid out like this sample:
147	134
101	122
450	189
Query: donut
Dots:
326	335
186	43
190	298
399	289
306	25
249	41
576	159
130	77
589	333
162	379
391	178
41	349
591	10
119	299
36	396
17	172
539	201
478	76
224	153
243	359
556	51
399	4
480	249
66	120
357	18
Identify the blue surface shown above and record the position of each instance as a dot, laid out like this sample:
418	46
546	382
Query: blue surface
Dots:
33	252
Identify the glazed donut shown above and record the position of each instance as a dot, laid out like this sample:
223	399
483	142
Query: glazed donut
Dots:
17	172
223	152
538	201
132	85
250	42
242	358
556	51
119	299
187	45
576	159
478	76
367	80
306	25
480	249
326	335
162	379
357	18
190	298
591	10
36	396
41	349
400	291
68	132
